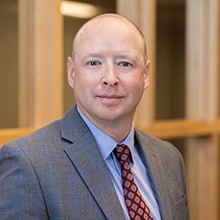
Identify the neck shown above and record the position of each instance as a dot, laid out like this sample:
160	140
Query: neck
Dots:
118	129
118	133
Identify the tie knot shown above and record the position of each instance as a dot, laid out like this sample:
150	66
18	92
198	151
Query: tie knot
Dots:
122	153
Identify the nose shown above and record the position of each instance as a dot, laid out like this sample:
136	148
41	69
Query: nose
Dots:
110	76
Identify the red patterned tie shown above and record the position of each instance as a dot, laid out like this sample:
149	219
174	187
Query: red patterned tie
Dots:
135	203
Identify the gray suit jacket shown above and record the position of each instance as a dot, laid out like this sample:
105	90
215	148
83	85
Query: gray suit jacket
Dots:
58	172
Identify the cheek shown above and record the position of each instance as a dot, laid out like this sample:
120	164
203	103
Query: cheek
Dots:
83	83
137	89
136	83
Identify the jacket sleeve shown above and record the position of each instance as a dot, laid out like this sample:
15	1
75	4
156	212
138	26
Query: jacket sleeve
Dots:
20	191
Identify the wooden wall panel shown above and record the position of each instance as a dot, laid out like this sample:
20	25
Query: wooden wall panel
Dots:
202	105
40	62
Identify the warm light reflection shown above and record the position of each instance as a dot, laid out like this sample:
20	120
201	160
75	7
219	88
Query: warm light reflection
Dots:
78	9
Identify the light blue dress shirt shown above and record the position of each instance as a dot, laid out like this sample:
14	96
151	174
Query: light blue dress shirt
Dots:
106	145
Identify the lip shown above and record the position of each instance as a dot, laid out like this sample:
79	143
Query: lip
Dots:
109	98
106	96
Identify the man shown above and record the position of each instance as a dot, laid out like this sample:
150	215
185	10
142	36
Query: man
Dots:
68	169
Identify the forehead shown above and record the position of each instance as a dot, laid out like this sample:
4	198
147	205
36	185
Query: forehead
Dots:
108	28
109	19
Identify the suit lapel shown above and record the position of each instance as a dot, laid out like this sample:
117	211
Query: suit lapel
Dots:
156	174
87	159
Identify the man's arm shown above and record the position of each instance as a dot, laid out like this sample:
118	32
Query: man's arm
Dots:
20	191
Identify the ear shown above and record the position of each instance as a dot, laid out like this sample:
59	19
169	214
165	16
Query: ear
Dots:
70	71
146	74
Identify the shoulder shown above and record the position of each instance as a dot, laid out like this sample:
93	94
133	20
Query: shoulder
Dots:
41	134
37	140
162	148
54	137
152	141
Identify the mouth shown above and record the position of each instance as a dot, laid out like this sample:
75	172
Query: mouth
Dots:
109	98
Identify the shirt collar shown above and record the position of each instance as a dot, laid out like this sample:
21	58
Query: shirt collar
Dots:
106	143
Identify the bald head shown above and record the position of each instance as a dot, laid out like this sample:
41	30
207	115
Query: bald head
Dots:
109	72
107	24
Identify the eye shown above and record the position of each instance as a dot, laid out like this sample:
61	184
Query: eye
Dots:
93	63
125	64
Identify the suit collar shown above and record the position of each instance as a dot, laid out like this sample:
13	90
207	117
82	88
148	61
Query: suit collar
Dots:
87	159
72	126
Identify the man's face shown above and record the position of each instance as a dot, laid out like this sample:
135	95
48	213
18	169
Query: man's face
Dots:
108	73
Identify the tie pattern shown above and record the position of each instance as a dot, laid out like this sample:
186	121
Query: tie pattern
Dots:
137	207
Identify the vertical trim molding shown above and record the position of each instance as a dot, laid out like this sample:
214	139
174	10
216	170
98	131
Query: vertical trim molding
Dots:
202	105
40	62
